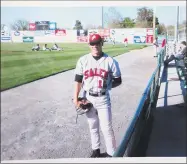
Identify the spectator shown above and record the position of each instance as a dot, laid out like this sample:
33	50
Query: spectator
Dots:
179	55
55	47
163	43
45	48
155	43
36	48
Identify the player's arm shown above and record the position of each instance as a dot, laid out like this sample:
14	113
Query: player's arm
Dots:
116	74
78	82
116	82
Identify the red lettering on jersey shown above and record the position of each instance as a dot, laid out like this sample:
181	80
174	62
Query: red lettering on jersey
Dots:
96	72
86	74
101	73
91	73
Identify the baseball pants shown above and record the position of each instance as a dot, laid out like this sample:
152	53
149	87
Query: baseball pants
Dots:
101	115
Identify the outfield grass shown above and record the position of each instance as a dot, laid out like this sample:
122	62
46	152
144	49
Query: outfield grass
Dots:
20	65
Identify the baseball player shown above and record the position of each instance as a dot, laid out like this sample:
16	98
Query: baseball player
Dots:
96	73
36	48
125	42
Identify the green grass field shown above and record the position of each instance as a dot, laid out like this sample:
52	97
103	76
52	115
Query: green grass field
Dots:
20	65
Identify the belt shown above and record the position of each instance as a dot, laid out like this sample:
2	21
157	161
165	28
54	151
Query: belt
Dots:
97	94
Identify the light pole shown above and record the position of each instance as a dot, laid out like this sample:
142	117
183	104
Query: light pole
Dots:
177	25
154	22
102	17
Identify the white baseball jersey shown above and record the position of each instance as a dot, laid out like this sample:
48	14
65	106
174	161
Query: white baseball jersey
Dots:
97	74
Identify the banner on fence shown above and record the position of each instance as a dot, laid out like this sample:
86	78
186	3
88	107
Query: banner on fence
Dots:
32	26
82	38
139	39
28	39
82	32
149	35
17	33
6	39
60	32
42	25
49	32
52	25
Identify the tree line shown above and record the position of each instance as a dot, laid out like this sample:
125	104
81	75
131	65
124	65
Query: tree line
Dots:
113	19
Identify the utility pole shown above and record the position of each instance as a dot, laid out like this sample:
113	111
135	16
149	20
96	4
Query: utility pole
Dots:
177	25
102	17
154	22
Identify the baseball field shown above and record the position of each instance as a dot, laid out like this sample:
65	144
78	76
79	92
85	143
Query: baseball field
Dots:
20	65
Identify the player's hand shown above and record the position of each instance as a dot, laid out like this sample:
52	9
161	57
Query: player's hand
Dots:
77	103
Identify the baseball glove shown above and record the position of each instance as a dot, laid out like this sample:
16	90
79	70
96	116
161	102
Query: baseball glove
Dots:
85	106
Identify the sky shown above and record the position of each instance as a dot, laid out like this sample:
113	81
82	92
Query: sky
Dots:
66	16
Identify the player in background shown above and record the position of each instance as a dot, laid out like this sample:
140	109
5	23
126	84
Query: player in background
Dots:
96	73
36	48
45	48
125	41
56	47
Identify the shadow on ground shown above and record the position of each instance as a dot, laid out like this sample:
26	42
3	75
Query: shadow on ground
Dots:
168	138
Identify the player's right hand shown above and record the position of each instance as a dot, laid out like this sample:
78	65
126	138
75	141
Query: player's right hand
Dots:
77	103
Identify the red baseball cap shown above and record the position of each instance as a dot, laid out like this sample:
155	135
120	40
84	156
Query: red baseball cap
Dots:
95	38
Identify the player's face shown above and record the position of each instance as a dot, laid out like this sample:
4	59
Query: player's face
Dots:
96	49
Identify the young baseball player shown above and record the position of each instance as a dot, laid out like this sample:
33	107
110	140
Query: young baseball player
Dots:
96	73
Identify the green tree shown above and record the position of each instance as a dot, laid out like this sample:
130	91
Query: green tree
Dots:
113	18
127	23
78	25
161	29
20	25
145	17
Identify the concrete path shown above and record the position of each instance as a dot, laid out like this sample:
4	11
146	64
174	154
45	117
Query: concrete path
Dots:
38	119
168	137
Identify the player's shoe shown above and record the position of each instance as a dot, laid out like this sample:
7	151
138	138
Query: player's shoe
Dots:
95	153
107	155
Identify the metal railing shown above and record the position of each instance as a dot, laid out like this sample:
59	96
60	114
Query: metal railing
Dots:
132	137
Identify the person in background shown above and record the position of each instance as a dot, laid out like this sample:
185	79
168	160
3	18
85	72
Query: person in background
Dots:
45	48
55	47
36	48
155	43
179	55
163	43
126	42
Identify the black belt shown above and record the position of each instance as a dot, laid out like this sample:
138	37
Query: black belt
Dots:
97	94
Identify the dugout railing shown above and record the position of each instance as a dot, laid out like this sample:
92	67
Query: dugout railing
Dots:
135	140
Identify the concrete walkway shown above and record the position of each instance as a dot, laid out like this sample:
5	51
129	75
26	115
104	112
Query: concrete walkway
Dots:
38	119
168	137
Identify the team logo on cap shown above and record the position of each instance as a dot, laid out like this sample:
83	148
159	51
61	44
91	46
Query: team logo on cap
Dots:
93	37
